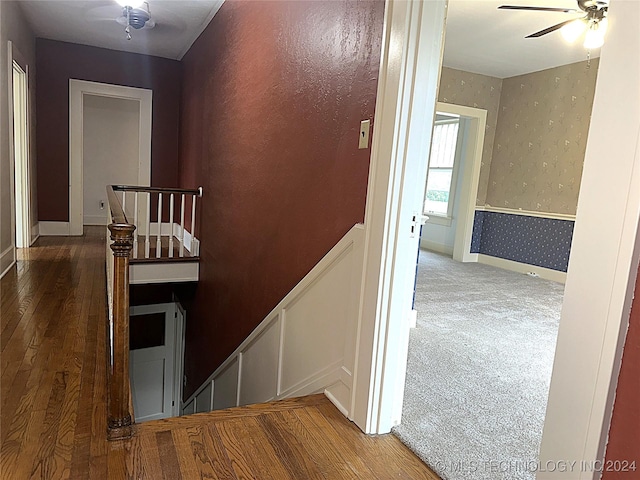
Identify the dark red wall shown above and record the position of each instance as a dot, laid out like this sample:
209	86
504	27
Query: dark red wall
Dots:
273	95
624	434
56	63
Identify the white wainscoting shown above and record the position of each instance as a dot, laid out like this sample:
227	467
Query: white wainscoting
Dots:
7	259
528	213
305	345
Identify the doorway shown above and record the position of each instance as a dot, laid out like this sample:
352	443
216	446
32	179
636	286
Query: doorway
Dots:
451	209
156	360
21	155
111	135
597	295
127	109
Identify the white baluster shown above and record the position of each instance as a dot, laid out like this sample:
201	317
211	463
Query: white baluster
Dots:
158	241
148	225
135	222
171	226
182	226
193	225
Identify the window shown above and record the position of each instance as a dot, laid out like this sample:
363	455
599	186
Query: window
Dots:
441	175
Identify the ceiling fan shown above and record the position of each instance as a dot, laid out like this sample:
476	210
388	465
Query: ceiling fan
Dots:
594	21
136	14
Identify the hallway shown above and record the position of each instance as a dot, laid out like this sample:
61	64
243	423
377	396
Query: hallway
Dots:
53	404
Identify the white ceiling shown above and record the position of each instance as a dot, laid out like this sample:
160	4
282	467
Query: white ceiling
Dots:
482	39
92	22
479	38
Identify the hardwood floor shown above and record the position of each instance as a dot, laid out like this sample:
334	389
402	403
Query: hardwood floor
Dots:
53	398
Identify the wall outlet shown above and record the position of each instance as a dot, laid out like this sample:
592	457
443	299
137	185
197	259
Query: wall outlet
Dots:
101	205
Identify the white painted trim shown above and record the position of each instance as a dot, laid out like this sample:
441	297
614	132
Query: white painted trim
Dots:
7	260
334	377
77	90
475	127
412	46
164	272
25	185
198	31
542	272
181	328
9	112
437	247
604	260
35	233
53	229
527	213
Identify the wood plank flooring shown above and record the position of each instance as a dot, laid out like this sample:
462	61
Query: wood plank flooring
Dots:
53	398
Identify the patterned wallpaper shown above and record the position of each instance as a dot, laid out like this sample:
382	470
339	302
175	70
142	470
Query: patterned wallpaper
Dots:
478	91
545	242
540	139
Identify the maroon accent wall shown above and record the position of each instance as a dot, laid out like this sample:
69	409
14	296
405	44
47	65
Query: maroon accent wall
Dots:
624	433
56	63
272	98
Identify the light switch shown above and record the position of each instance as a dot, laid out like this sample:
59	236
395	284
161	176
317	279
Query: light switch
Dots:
365	126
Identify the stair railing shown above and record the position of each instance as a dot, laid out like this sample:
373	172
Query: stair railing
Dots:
124	235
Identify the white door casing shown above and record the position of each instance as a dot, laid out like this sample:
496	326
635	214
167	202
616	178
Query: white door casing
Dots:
77	90
472	124
412	45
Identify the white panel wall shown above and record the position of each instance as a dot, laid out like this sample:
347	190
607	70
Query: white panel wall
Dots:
110	151
225	393
203	399
259	362
305	345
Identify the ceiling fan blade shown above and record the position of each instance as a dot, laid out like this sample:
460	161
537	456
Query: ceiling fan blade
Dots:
540	9
549	29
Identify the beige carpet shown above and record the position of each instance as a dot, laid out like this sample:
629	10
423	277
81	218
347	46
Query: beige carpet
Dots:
479	369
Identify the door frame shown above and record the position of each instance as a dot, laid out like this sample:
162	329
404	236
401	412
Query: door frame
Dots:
77	90
605	251
473	123
177	316
476	121
14	55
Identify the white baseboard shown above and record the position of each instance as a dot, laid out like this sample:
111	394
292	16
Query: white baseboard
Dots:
53	229
290	352
35	233
505	264
95	220
436	247
7	260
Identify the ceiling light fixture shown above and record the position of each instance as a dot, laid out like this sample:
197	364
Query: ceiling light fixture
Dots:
136	14
595	35
593	21
595	28
571	31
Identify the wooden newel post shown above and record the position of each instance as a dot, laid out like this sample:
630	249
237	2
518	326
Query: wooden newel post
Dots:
119	422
